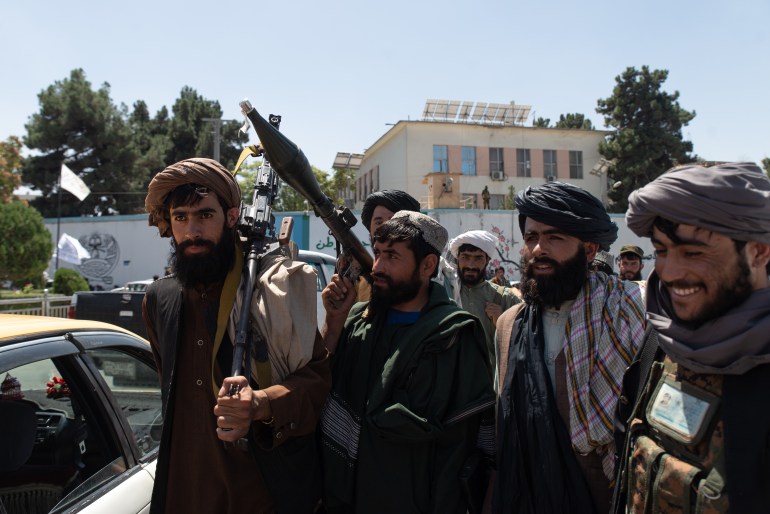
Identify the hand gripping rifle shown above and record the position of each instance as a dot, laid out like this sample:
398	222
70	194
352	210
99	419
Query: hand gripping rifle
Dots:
293	168
257	225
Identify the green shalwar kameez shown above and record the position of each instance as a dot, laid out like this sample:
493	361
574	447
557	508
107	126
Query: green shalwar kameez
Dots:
405	411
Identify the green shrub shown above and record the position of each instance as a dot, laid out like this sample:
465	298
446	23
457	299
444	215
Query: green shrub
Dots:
67	281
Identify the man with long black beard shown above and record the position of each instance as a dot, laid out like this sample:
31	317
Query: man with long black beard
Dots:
411	382
699	417
472	251
561	359
190	317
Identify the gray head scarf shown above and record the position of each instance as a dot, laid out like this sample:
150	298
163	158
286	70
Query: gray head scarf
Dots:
730	199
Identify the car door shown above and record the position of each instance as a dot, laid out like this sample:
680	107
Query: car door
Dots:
96	404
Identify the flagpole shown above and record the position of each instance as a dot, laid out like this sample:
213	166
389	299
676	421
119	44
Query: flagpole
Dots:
58	228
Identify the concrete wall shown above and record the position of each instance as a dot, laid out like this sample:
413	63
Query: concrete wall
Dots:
125	248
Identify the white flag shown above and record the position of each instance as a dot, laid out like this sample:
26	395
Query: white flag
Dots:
70	249
73	184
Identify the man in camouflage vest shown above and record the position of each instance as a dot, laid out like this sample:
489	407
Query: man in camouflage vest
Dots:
697	429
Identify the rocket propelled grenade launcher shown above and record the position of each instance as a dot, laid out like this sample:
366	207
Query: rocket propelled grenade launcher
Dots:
291	165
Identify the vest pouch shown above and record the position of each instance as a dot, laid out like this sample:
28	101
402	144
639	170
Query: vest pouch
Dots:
642	468
674	486
711	499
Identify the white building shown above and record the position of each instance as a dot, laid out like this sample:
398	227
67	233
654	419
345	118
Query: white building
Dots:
446	159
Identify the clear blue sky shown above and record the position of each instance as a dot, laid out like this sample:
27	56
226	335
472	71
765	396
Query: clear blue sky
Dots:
339	71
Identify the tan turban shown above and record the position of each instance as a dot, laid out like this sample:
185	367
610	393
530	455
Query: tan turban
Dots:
204	172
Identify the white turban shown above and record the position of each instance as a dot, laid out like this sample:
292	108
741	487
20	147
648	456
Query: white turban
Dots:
481	239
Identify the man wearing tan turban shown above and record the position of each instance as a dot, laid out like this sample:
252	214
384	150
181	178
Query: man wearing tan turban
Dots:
268	426
696	411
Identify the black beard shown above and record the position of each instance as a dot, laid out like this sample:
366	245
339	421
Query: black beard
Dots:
472	282
730	293
635	278
396	293
553	290
204	268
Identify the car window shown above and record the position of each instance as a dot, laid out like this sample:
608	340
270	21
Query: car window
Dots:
56	432
135	387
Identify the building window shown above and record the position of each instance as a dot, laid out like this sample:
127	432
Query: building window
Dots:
469	160
497	201
440	159
575	164
549	164
496	167
523	167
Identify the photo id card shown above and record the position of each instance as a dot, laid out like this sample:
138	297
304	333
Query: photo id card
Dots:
681	412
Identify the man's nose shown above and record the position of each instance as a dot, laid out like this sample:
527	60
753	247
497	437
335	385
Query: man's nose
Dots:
193	230
539	248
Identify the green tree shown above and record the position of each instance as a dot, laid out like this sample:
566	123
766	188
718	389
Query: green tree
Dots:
150	139
574	121
84	129
542	122
342	185
67	281
766	165
25	243
10	166
510	199
648	132
192	136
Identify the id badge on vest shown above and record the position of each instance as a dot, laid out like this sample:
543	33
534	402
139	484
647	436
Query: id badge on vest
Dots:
681	410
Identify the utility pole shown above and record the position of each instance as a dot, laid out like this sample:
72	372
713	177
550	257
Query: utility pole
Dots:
217	124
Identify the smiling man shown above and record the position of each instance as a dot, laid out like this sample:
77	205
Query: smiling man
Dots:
411	381
561	358
704	410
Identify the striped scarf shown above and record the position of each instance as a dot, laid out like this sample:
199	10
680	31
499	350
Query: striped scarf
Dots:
604	330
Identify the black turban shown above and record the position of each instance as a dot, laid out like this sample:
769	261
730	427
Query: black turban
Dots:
391	199
731	199
569	208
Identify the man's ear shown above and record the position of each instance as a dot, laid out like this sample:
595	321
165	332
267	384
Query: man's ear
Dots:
429	263
757	254
591	250
232	215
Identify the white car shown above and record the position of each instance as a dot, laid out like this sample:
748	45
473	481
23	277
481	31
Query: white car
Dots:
324	268
135	286
80	417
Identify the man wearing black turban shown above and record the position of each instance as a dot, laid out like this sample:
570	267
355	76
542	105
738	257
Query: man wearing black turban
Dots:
561	358
707	414
389	201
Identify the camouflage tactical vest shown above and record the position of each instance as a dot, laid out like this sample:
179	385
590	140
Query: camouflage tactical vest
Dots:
676	460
